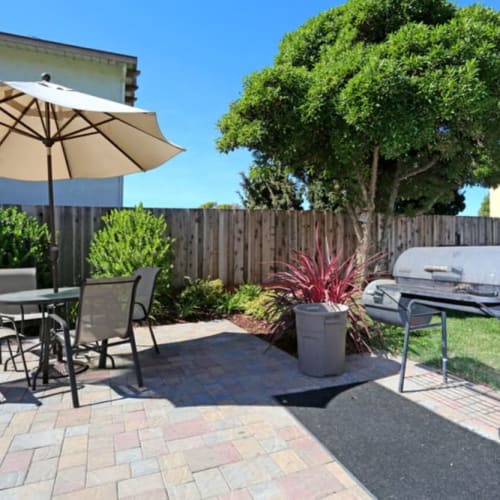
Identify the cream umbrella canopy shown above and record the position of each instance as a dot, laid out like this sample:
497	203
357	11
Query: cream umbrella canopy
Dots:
50	132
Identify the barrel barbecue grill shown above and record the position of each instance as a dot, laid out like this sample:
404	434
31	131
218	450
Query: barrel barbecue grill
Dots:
428	282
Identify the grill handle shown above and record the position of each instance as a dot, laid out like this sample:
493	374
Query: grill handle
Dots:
437	269
443	269
444	273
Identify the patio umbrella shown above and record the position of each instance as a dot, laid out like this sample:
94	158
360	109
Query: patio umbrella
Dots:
50	132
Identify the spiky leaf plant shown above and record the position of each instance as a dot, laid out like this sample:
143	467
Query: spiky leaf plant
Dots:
322	277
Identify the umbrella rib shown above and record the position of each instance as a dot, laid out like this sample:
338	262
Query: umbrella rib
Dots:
145	132
62	143
82	132
11	97
112	117
61	138
93	130
17	131
76	133
118	119
58	136
42	120
32	133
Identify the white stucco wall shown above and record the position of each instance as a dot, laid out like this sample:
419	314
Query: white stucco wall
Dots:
100	77
495	202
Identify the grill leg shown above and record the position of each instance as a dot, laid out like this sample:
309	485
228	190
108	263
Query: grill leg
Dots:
405	351
444	347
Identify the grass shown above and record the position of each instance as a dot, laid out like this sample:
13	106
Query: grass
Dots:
473	347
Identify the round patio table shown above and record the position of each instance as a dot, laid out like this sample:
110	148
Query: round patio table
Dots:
44	298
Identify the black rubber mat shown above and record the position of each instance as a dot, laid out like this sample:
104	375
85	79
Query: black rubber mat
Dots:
396	448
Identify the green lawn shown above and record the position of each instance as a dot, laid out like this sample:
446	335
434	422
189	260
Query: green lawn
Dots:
473	347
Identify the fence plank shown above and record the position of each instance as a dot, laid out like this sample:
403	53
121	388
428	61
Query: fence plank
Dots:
268	257
339	235
224	253
238	274
254	256
193	239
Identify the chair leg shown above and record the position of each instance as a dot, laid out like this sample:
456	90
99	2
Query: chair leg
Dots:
153	337
103	354
135	356
18	353
12	357
107	355
113	364
21	352
71	369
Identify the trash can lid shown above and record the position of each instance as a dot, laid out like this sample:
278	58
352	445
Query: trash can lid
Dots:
320	308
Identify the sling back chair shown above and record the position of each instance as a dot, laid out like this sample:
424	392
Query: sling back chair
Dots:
144	297
9	333
17	280
105	312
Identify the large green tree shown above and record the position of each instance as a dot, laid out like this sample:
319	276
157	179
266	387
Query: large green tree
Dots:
383	100
484	209
269	185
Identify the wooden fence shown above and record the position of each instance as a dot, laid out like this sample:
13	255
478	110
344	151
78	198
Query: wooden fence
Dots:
244	245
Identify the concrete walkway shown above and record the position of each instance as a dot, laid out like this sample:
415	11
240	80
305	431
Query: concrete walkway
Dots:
204	426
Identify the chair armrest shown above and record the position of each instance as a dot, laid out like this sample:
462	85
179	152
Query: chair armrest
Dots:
54	306
5	318
61	331
61	323
145	313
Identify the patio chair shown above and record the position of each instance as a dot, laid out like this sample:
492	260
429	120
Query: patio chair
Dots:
144	297
105	312
8	333
17	280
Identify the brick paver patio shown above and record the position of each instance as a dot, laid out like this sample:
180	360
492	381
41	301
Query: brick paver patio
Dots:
204	426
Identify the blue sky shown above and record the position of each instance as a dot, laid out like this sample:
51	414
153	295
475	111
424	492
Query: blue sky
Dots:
193	56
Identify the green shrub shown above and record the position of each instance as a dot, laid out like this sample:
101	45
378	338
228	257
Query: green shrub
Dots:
242	297
24	243
202	299
261	308
129	239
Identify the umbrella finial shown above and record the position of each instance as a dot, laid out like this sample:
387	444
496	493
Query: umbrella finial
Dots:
45	77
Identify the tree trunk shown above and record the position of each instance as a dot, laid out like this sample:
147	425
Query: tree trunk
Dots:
367	218
383	263
399	176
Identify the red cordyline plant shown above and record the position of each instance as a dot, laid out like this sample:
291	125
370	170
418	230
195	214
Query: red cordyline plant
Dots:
322	277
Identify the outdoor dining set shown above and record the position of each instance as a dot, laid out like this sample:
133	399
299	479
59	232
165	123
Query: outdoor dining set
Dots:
107	310
50	132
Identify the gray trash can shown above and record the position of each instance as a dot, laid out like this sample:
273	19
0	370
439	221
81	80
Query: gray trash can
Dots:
321	332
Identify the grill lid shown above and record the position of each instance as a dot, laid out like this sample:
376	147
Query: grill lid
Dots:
470	270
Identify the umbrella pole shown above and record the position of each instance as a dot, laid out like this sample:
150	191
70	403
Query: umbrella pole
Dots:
53	250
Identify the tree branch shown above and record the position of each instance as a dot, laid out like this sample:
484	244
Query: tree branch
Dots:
417	171
355	222
428	206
